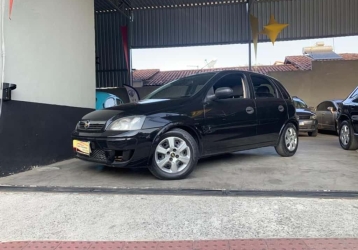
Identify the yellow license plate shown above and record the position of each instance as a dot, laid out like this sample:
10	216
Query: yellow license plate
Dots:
82	147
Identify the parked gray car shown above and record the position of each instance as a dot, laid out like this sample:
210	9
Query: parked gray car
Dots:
307	118
326	113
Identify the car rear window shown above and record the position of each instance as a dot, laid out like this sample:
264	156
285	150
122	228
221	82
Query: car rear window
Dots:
284	92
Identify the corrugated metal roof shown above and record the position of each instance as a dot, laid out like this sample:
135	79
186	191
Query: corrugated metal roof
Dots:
154	4
102	5
309	18
220	22
111	69
191	26
227	23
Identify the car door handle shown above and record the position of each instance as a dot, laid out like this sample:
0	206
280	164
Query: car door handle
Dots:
281	108
250	110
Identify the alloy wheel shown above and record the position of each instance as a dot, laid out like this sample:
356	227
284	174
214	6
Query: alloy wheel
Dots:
344	135
291	139
172	155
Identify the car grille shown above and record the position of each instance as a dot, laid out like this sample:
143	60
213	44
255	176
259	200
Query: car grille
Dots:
99	155
93	126
304	117
96	154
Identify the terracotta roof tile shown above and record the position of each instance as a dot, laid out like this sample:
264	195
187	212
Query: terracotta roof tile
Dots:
350	56
164	77
301	62
155	77
144	74
305	63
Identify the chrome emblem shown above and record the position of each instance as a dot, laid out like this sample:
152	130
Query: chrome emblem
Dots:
86	124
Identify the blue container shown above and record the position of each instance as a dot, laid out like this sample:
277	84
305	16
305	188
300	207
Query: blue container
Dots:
106	100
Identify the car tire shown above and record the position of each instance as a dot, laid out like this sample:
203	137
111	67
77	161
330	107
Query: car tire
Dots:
175	155
288	141
313	134
347	139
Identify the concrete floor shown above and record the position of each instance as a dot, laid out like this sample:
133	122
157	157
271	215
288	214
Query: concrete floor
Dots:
71	216
320	164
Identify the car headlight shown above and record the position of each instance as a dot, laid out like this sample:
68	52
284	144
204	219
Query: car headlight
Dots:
313	117
127	123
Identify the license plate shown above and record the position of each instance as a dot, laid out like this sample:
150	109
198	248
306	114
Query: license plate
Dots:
82	147
302	123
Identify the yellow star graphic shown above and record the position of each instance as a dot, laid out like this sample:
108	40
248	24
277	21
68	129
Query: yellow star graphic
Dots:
273	29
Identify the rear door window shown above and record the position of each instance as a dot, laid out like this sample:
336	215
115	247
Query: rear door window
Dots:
263	87
284	92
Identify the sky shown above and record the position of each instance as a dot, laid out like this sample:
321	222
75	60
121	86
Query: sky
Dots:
232	55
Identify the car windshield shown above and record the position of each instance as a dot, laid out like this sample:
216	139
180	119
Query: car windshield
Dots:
299	104
355	93
184	87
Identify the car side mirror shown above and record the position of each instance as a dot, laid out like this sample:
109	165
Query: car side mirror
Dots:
223	93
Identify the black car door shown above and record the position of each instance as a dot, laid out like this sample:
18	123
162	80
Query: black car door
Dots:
271	108
229	123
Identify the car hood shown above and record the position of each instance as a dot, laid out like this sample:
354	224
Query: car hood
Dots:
143	107
304	112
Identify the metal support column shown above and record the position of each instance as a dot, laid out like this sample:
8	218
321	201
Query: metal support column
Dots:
130	38
248	9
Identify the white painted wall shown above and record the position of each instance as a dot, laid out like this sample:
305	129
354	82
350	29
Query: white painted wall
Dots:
50	52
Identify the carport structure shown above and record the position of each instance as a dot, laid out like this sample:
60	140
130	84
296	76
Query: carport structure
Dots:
176	23
51	48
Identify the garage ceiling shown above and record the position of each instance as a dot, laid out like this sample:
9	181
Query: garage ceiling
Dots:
153	4
104	5
176	23
171	23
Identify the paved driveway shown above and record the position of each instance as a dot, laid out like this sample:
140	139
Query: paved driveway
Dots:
320	164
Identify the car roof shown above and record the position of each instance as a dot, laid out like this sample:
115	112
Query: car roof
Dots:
225	71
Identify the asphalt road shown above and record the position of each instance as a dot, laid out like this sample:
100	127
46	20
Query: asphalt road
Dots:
65	216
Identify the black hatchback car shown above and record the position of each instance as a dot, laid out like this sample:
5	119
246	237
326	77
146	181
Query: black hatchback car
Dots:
347	120
188	119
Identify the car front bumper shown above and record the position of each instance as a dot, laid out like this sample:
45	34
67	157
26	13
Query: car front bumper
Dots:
308	125
128	149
